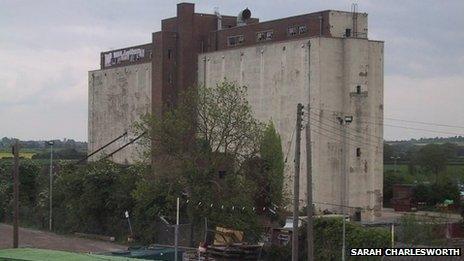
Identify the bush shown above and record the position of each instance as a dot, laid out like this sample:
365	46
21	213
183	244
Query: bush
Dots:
93	198
328	240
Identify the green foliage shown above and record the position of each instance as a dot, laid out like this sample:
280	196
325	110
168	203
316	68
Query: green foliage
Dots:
415	230
93	198
29	189
433	157
328	240
66	153
202	148
390	179
271	153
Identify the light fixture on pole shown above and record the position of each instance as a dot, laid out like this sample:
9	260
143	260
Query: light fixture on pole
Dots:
50	196
394	160
344	121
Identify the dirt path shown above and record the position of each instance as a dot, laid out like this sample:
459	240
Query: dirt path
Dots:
41	239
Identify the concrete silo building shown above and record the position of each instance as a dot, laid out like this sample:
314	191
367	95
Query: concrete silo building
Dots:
323	59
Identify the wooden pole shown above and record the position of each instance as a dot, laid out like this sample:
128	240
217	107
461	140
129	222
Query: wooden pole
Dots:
296	184
16	194
309	190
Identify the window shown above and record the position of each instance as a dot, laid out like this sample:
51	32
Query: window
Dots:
264	35
302	29
169	54
358	152
235	40
348	32
292	31
358	89
221	174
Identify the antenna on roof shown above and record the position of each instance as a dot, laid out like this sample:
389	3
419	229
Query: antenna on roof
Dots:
219	18
354	11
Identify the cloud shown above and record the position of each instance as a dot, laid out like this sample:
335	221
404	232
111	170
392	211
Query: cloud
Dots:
47	48
434	99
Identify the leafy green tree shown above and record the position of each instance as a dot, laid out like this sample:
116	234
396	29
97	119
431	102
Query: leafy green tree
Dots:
200	148
267	170
93	198
388	152
433	158
328	240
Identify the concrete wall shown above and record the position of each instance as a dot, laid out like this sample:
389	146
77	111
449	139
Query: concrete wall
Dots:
339	21
117	98
277	76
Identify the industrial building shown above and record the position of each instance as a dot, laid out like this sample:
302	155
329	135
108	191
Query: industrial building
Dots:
323	59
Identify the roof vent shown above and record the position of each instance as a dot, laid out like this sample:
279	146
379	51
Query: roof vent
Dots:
243	16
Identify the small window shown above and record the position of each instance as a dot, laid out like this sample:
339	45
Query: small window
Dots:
348	32
170	78
264	35
358	89
235	40
221	174
358	152
302	29
169	54
292	31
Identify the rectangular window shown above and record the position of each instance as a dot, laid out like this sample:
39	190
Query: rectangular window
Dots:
264	35
348	32
302	29
292	31
169	54
235	40
358	152
358	89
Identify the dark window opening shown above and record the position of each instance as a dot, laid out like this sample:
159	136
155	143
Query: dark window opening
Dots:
221	174
169	54
358	89
303	29
170	78
292	31
358	152
235	40
264	35
348	32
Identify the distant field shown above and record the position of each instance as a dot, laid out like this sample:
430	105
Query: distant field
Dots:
6	154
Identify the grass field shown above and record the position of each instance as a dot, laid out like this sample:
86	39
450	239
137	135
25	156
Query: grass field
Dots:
454	172
26	154
52	255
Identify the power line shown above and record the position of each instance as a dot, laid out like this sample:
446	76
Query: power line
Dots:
426	123
341	136
363	134
291	142
402	127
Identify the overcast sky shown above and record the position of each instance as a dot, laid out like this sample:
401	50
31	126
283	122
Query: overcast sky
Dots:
47	48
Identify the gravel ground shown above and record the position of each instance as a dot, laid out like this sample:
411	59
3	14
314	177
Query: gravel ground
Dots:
46	240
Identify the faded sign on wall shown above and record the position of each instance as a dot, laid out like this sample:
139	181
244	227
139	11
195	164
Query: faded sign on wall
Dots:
128	55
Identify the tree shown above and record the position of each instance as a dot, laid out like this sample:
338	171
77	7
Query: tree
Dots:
270	174
433	157
93	198
388	152
200	148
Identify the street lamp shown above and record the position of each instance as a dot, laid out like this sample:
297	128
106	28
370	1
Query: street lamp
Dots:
344	121
395	158
50	143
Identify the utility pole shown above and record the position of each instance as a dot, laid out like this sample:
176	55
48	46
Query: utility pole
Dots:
15	151
296	183
309	190
176	232
395	159
51	186
344	180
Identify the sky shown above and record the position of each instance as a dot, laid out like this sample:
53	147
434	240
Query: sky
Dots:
48	47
